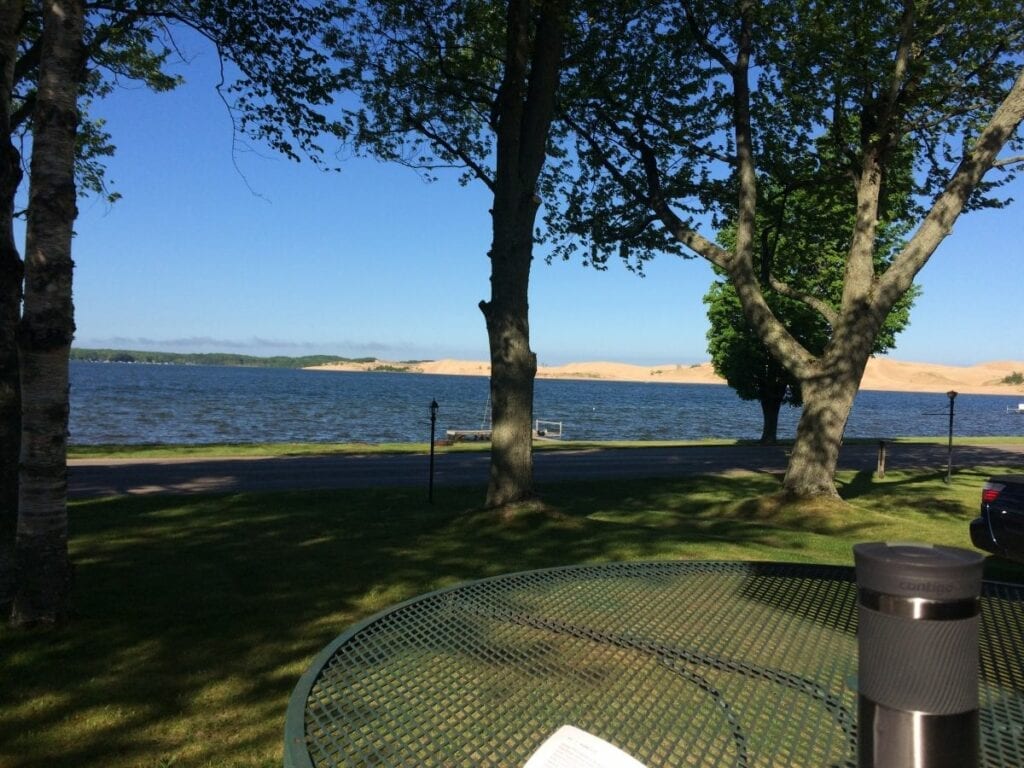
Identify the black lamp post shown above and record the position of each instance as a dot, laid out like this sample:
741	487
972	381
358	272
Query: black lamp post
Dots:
433	425
949	458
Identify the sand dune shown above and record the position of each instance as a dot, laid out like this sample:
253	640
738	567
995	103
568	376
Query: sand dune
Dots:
981	379
882	373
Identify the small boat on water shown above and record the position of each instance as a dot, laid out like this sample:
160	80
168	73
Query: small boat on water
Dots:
1019	410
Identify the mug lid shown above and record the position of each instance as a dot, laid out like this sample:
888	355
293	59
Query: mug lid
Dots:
932	572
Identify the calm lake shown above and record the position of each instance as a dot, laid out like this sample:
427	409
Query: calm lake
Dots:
137	403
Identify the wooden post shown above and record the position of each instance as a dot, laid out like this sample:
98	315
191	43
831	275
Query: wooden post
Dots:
433	425
949	456
880	471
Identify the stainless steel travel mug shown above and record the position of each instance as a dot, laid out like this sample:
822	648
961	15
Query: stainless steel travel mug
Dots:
917	679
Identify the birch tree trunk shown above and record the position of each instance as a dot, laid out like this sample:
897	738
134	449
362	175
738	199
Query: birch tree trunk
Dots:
524	111
11	275
47	326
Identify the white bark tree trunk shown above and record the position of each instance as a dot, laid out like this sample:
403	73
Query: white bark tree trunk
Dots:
47	325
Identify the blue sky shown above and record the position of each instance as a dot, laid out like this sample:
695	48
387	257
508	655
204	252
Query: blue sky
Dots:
216	247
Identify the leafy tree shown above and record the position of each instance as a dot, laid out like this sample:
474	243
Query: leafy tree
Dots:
742	359
473	84
746	363
126	54
282	84
793	224
920	99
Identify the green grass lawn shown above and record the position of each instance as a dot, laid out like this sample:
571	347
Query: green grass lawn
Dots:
222	450
197	615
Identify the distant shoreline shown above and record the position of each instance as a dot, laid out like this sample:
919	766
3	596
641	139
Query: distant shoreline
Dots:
87	355
882	374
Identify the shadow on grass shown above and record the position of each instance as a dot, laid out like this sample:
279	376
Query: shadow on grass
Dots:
197	615
926	491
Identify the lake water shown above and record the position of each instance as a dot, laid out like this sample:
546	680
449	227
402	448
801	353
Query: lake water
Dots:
135	403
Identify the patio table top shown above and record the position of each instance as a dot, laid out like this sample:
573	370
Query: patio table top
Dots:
695	664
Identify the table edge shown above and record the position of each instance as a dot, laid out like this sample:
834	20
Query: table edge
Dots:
296	752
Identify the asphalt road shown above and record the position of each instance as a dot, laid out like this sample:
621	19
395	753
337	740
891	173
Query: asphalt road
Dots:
89	478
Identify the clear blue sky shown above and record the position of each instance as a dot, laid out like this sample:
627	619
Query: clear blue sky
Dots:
215	248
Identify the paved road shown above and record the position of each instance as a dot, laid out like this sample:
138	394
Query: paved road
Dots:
106	477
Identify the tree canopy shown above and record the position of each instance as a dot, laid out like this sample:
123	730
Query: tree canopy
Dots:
278	80
801	242
688	122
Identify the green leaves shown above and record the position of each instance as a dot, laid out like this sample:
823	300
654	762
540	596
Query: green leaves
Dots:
279	81
803	241
427	76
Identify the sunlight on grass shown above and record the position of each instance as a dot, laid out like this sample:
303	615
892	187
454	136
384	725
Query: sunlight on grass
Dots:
241	450
197	616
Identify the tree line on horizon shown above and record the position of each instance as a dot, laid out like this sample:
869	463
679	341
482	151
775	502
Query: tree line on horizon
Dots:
815	154
209	358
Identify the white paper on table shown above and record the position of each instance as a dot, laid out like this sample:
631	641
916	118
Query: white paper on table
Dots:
570	747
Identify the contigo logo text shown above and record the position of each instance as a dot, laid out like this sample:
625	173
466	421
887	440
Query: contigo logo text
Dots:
926	586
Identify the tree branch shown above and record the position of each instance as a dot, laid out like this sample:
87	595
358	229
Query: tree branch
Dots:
28	61
939	221
706	151
24	111
679	230
897	87
740	267
1008	161
423	128
706	45
604	161
823	308
542	85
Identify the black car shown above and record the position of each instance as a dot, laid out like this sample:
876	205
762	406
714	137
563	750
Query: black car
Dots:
1000	527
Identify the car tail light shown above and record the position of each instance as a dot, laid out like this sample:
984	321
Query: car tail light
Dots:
990	492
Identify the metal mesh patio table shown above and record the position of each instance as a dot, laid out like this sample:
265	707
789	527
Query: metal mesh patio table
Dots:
678	663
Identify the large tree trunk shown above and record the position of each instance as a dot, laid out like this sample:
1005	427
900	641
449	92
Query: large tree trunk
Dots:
47	326
11	275
812	465
523	110
828	398
513	363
